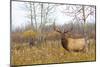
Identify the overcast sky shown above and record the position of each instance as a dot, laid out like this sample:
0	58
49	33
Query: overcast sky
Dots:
19	15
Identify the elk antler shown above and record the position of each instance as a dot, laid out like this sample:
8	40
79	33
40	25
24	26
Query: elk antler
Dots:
54	27
57	30
69	30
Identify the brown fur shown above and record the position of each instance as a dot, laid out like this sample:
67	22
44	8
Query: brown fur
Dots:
76	44
72	44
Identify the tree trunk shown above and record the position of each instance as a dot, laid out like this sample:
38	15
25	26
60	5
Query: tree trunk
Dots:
35	16
84	29
31	15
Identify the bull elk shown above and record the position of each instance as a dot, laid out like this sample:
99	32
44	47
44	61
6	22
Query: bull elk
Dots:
72	44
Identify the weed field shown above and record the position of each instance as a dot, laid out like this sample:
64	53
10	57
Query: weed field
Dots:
48	52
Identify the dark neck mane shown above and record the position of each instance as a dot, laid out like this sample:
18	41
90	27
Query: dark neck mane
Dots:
64	43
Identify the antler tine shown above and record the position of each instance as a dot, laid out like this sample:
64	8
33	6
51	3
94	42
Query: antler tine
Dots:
56	29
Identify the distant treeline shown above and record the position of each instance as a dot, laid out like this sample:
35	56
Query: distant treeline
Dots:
47	32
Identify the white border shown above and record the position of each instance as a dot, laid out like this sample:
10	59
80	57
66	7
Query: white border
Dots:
5	33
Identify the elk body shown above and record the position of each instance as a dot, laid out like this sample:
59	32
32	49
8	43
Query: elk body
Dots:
72	44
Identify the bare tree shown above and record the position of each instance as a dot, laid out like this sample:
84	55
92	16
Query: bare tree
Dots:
39	14
35	16
80	14
46	11
31	14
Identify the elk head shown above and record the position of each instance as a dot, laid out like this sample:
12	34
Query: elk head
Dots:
62	33
64	40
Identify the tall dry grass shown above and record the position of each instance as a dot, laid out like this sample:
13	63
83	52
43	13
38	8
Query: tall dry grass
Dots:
48	52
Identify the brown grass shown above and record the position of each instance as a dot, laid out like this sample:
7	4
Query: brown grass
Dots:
48	52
